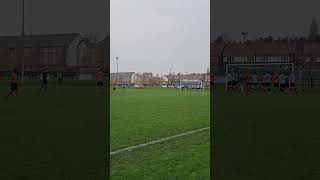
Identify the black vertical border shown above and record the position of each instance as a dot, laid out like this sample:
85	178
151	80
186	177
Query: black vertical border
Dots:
212	96
107	48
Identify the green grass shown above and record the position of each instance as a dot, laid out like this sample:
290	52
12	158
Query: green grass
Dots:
269	137
62	134
181	158
142	115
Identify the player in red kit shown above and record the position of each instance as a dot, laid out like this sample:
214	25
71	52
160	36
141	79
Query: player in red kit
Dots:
213	79
14	84
100	81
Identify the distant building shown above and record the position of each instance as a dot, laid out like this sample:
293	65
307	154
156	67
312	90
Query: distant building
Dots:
93	54
53	50
123	78
285	50
144	79
174	79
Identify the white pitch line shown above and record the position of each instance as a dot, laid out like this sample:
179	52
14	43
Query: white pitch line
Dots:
156	141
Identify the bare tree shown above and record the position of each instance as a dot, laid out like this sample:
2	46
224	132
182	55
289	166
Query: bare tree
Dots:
93	37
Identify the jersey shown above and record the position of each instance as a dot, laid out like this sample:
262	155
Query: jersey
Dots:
13	78
59	75
266	78
100	76
229	77
254	78
236	77
241	78
246	78
250	78
276	78
292	78
287	79
44	77
282	79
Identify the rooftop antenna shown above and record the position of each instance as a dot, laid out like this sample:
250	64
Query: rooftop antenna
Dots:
244	34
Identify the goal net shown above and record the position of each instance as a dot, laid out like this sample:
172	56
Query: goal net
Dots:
259	69
309	79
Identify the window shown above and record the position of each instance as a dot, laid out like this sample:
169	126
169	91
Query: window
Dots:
28	51
50	56
12	52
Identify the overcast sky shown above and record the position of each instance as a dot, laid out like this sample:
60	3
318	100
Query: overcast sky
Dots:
264	17
54	16
153	35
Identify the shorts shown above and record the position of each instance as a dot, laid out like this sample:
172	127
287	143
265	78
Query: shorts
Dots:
234	83
44	83
100	84
268	84
292	84
282	85
287	85
14	86
276	85
229	83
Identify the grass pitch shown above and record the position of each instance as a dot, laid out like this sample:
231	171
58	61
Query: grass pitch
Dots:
142	115
59	135
257	136
260	136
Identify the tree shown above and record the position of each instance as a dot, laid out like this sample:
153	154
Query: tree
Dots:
93	37
219	40
222	39
314	31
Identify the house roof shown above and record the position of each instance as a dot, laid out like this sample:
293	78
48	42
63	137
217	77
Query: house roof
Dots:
259	48
193	76
103	43
275	48
312	49
147	74
46	40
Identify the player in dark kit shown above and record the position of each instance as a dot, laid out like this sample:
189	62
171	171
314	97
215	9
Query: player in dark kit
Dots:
44	81
14	84
100	81
114	87
60	77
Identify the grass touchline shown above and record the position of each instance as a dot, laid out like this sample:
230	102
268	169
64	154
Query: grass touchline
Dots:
156	141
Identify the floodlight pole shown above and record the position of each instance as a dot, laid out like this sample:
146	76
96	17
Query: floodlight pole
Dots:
22	43
244	34
117	59
170	75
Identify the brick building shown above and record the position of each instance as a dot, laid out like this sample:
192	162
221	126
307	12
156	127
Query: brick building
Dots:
266	51
53	50
174	79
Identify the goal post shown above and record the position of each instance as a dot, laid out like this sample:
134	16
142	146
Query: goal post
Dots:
309	78
259	68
